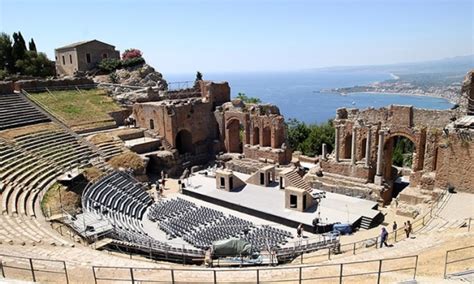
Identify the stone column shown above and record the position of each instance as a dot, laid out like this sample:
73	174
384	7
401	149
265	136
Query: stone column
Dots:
378	178
353	146
368	144
324	151
336	144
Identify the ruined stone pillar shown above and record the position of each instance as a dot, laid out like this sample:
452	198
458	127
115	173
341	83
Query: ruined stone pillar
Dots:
368	144
378	178
336	143
324	151
353	146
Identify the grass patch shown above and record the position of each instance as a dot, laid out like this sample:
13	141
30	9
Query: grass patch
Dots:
80	110
58	197
92	173
128	160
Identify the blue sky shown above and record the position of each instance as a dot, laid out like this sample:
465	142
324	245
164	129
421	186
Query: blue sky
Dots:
212	36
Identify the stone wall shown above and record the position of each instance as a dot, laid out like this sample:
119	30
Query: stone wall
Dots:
215	93
168	118
467	100
121	115
256	125
6	87
399	116
41	84
455	163
346	169
267	154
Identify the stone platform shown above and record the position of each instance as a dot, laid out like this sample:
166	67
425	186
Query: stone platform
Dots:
269	203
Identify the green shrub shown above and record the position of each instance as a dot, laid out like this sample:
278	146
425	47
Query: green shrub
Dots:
133	62
109	64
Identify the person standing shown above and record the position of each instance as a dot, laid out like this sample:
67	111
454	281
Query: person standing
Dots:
405	228
383	237
394	226
409	228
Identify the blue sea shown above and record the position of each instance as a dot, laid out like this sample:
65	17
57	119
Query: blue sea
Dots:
298	95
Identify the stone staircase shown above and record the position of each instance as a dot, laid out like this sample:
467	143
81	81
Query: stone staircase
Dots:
292	178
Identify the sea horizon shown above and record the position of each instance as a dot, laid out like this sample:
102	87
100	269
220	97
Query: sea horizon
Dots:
299	94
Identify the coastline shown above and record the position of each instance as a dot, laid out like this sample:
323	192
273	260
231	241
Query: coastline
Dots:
404	94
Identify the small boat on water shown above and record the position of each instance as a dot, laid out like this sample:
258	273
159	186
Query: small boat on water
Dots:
353	102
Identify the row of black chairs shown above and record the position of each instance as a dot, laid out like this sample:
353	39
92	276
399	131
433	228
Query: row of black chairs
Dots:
170	208
201	226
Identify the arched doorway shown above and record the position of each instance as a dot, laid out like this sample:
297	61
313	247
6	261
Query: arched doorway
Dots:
266	137
399	151
347	147
234	136
256	136
184	142
363	149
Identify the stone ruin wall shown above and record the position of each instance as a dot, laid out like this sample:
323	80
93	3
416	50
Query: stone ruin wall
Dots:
51	83
169	119
263	127
6	87
455	163
467	94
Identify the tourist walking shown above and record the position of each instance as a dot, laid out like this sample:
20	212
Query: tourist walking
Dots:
383	237
394	226
408	228
315	225
299	231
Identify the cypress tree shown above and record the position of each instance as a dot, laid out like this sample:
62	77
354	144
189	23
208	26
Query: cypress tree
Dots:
32	45
19	47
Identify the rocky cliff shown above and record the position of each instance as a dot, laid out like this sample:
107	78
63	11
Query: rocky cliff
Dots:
467	102
134	84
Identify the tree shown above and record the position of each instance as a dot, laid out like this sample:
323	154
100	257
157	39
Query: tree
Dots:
198	76
35	64
309	138
196	81
6	59
32	45
297	132
248	100
19	47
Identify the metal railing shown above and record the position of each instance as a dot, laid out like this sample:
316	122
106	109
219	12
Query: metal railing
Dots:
374	242
34	269
450	260
372	270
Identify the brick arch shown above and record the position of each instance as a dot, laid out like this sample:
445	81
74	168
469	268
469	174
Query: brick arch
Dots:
267	136
415	137
184	141
233	141
256	135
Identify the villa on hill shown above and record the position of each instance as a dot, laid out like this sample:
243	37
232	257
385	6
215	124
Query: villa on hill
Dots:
82	56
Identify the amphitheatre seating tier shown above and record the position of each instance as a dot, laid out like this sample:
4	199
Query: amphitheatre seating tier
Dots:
16	111
111	149
29	165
